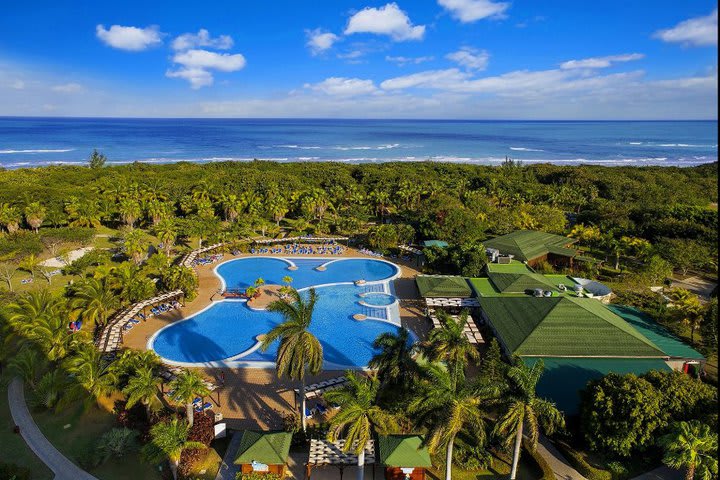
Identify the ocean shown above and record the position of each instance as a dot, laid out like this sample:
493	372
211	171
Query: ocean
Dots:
28	142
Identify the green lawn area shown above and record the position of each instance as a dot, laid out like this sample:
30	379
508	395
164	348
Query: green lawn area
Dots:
14	449
500	470
75	432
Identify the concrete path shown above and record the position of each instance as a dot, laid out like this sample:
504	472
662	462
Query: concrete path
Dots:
61	466
228	469
661	473
562	469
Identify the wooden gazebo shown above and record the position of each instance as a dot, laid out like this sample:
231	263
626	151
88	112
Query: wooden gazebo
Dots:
404	457
264	452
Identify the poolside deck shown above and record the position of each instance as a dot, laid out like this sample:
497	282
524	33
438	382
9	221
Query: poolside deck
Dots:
254	397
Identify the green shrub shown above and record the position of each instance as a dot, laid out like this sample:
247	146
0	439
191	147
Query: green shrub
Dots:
578	462
542	464
257	476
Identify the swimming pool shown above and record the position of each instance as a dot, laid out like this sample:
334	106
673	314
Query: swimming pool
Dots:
225	333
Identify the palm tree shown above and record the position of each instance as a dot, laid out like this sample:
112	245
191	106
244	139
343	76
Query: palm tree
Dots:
183	278
186	387
167	442
449	343
83	213
300	352
447	404
95	300
9	217
523	408
92	374
41	318
135	246
166	232
692	445
691	310
34	215
231	206
394	362
130	210
358	416
27	364
143	387
157	210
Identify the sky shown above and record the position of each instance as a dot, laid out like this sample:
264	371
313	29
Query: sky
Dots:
455	59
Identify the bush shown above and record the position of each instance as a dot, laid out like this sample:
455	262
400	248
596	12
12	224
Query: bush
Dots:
116	443
542	464
257	476
202	431
578	462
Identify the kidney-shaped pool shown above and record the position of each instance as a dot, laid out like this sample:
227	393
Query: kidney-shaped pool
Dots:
226	332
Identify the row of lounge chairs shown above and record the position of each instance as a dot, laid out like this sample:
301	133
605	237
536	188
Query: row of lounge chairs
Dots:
367	251
472	333
188	260
159	310
208	260
295	249
317	389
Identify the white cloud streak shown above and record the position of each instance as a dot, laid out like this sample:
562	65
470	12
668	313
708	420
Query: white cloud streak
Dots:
697	32
343	87
469	11
470	58
132	39
202	38
387	20
402	61
68	88
601	62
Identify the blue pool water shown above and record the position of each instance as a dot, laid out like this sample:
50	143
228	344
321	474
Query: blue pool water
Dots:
228	329
379	299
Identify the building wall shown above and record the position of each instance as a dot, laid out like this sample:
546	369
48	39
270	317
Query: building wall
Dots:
276	469
395	473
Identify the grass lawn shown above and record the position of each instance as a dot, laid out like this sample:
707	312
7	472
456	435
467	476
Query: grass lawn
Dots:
499	470
75	432
14	448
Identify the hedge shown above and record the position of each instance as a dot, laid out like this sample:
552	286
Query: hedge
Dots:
578	462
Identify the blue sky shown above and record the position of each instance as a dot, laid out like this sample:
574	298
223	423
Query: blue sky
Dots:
518	59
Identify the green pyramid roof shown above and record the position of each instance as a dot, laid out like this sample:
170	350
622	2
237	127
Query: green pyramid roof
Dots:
527	245
403	451
442	286
270	448
565	327
519	282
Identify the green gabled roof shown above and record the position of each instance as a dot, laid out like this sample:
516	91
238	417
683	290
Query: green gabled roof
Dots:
442	286
564	326
435	243
666	341
519	282
564	378
513	267
527	245
403	451
270	448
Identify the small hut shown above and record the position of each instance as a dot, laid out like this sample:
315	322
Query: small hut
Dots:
264	452
404	457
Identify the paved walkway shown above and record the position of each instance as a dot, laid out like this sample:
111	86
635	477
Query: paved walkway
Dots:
228	470
563	470
61	466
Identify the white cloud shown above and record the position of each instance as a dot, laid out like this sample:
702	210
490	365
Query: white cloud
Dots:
470	58
67	88
436	79
133	39
387	20
17	85
601	62
402	61
318	40
196	66
468	11
202	38
343	87
698	31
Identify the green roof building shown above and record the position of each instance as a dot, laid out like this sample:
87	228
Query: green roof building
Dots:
403	456
531	246
263	451
443	286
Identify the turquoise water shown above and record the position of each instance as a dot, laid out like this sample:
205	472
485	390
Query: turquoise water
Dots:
379	299
229	328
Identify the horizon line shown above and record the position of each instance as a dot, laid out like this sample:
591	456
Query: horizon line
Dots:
79	117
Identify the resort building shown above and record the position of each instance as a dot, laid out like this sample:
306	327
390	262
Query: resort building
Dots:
531	247
580	339
264	452
403	456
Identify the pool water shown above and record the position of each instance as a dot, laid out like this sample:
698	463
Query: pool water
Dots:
225	333
379	299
